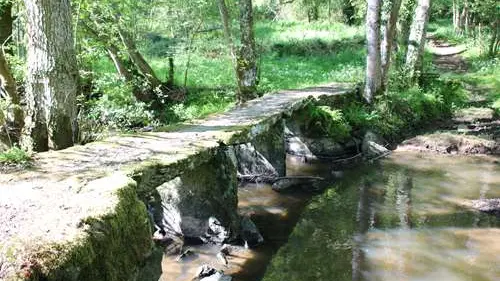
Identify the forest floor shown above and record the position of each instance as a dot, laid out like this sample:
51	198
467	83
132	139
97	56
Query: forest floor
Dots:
475	128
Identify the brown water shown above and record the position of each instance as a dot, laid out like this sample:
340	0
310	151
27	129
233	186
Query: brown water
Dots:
405	218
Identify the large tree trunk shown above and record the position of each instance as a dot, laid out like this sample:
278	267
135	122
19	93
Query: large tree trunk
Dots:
373	75
417	39
389	19
138	59
52	78
247	57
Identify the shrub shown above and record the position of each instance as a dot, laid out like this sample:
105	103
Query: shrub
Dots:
15	155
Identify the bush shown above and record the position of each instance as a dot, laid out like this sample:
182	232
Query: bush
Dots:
15	155
404	110
117	108
322	121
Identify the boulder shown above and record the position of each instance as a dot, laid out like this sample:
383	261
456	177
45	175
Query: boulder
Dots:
216	232
250	233
373	146
251	165
200	204
207	273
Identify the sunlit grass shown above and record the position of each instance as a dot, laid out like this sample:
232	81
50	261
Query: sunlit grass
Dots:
15	155
292	55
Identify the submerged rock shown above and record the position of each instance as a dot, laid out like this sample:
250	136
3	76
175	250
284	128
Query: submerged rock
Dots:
207	273
490	206
250	233
306	183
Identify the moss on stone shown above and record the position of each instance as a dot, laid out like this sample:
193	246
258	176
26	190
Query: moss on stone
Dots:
111	249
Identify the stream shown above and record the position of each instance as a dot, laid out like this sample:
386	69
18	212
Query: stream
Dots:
406	217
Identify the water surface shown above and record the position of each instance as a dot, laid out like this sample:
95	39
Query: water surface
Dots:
406	218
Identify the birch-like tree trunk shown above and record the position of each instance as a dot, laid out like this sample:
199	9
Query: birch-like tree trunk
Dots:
247	57
456	13
417	39
373	70
52	78
389	20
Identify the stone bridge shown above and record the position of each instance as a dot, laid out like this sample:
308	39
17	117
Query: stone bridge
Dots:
88	212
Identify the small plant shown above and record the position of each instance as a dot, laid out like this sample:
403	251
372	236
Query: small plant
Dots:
15	155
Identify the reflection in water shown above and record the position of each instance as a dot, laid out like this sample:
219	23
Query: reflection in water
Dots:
405	219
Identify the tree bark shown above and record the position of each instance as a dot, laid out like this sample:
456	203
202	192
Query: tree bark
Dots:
52	78
224	14
389	19
373	75
247	57
407	7
417	39
138	59
120	65
455	18
494	41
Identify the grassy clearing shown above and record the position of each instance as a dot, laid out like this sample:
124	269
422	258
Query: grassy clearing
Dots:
293	55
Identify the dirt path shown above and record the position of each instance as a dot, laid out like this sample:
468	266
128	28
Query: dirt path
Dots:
472	130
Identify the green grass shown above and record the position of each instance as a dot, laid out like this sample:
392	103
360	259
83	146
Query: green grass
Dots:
15	155
443	29
483	72
292	55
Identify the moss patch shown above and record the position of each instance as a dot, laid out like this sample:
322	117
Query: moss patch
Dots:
111	249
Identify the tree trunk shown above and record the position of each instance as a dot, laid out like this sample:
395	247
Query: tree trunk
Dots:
408	7
462	18
373	75
138	59
120	65
52	78
224	14
389	19
247	57
455	16
494	41
417	39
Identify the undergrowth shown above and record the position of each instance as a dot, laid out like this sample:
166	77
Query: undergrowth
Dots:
15	156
